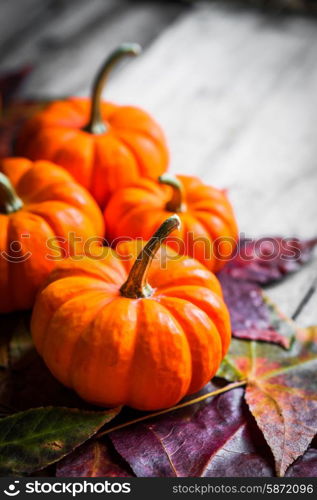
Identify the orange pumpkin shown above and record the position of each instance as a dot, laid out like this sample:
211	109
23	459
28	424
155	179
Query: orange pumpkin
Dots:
44	217
103	145
208	232
143	334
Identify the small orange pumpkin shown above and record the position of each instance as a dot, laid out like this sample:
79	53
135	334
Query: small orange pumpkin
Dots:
208	232
103	145
44	216
143	334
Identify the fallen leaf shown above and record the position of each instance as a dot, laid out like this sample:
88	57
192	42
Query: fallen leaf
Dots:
215	438
269	259
10	83
280	392
20	388
15	340
38	437
305	466
93	459
11	122
308	334
253	316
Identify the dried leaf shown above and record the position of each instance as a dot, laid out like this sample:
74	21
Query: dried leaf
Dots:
15	339
10	83
12	121
306	466
20	388
253	315
213	438
93	459
38	437
281	393
269	259
308	334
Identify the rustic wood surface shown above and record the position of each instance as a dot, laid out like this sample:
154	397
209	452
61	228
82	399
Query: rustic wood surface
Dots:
235	90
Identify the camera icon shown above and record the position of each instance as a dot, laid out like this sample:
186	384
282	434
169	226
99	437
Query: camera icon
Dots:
13	491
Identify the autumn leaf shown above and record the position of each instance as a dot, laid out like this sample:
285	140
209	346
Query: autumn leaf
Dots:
253	316
305	466
38	437
11	122
20	388
93	459
269	259
215	438
15	340
10	83
308	334
281	393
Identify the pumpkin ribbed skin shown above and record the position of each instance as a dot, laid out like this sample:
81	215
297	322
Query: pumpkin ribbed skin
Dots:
147	353
208	231
53	205
133	145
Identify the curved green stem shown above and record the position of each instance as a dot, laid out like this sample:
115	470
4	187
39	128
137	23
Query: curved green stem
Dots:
190	402
9	200
96	124
136	285
176	203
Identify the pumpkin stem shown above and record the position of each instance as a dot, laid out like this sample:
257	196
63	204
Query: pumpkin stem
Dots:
175	204
9	200
136	285
96	124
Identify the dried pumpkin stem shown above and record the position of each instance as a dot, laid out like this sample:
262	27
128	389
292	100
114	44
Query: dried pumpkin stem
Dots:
199	399
136	285
175	204
9	200
96	124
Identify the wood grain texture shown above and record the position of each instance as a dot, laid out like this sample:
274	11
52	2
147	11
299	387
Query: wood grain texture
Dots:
234	90
69	46
237	100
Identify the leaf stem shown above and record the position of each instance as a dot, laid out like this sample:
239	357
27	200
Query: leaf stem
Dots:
308	295
227	388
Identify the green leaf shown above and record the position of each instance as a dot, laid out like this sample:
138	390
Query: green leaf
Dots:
281	393
15	339
35	438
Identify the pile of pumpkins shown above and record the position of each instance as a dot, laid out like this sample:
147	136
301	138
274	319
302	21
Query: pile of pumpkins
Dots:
136	321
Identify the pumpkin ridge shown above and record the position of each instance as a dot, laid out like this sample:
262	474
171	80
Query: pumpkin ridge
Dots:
177	315
76	103
104	276
141	304
69	289
6	231
137	212
200	213
193	299
14	235
142	167
156	138
89	326
93	169
50	223
46	351
133	354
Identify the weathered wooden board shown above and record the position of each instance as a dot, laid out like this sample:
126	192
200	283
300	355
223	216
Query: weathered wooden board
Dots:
234	90
235	93
67	46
